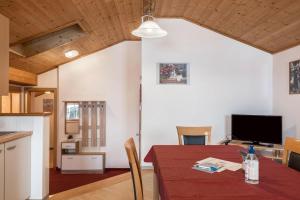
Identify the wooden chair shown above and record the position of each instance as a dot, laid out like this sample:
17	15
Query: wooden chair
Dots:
291	153
193	135
135	169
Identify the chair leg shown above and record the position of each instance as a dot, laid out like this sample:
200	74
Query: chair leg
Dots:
155	187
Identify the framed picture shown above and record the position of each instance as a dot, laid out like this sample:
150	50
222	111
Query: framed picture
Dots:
294	81
48	105
173	73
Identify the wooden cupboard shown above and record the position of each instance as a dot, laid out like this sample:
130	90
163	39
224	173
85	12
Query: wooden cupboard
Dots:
4	54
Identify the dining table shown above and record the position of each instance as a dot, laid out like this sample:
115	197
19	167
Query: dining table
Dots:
174	178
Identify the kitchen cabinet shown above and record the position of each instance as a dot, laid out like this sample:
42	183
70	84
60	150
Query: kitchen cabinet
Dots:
4	54
17	169
1	171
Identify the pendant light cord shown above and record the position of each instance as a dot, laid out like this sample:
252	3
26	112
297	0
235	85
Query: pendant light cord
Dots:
147	10
150	7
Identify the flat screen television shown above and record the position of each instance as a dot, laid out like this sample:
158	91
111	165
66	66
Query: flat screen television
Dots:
257	128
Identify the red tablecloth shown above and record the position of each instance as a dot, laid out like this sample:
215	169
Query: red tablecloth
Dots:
178	181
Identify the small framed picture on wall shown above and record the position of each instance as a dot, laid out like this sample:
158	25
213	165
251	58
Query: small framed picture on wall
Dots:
173	73
294	80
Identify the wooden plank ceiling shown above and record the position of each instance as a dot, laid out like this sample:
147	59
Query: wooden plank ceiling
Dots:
270	25
107	22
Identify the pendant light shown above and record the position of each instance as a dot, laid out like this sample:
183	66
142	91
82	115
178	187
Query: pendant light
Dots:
149	28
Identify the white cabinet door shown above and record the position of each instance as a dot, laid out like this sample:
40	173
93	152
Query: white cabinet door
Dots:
27	166
16	169
1	171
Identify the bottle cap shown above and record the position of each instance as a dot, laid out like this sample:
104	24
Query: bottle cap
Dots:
251	149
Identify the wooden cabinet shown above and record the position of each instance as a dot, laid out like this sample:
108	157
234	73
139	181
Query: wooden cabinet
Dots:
17	169
4	54
1	172
275	153
81	163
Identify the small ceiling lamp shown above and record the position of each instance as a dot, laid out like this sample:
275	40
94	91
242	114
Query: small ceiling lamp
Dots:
149	28
71	54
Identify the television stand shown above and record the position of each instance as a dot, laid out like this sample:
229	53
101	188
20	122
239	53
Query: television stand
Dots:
259	144
273	152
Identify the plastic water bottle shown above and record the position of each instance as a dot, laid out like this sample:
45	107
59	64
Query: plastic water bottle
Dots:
251	167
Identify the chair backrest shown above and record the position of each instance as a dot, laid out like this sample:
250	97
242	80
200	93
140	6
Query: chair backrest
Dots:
183	131
135	169
291	153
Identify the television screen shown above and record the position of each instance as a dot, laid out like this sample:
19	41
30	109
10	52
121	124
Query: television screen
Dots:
257	128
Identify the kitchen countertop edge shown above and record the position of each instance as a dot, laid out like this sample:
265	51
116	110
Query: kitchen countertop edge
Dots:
26	114
14	136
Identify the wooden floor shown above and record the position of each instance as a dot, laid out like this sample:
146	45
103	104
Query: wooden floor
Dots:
115	188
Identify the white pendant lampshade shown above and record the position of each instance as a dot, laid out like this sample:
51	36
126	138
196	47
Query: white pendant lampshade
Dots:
149	29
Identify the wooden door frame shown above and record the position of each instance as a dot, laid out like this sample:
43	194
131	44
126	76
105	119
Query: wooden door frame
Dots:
54	90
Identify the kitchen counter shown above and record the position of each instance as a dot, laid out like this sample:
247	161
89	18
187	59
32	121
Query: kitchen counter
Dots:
38	126
13	136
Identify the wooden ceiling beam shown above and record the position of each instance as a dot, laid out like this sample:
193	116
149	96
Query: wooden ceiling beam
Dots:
20	77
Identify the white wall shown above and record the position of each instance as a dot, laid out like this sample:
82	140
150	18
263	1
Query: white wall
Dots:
48	79
283	103
37	103
110	75
226	77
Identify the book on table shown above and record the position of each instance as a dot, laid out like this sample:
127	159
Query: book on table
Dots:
212	165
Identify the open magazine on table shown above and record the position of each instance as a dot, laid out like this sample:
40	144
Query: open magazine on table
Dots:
212	165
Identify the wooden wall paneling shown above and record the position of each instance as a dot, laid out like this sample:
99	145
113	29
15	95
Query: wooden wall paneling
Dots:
15	89
85	124
94	124
15	102
4	56
6	103
102	123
